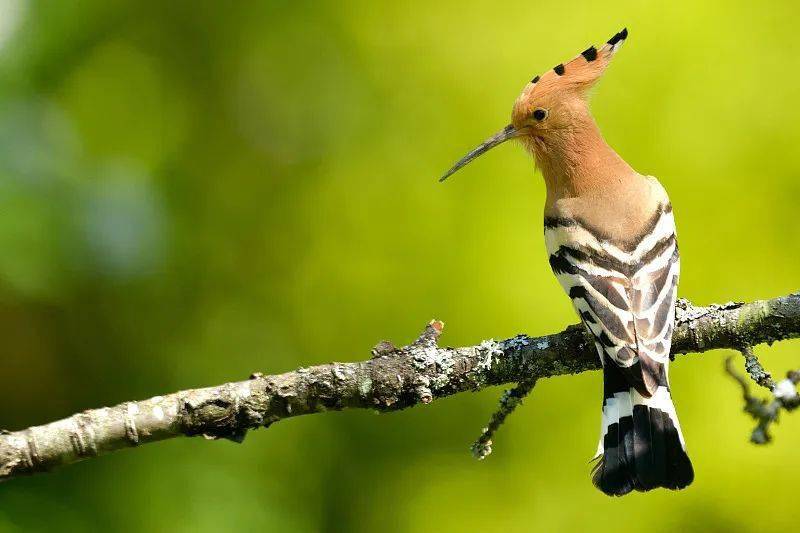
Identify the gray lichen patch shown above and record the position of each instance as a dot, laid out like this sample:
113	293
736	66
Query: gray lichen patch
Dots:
365	386
516	343
337	373
489	350
435	363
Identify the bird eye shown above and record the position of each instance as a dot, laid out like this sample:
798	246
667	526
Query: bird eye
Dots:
539	114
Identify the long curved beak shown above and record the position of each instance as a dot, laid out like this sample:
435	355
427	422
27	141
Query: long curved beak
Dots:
509	132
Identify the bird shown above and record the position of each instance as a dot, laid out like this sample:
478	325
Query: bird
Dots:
611	242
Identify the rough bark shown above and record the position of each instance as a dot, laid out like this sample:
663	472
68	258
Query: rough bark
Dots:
393	379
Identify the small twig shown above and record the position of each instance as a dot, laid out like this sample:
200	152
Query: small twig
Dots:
754	368
738	378
508	402
765	412
430	335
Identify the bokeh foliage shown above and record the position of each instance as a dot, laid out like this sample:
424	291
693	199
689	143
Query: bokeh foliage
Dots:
191	191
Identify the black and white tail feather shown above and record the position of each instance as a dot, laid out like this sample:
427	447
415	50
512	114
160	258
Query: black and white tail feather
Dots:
625	295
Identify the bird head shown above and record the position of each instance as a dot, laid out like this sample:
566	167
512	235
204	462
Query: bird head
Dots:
551	104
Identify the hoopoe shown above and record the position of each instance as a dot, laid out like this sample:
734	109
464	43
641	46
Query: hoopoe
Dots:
610	235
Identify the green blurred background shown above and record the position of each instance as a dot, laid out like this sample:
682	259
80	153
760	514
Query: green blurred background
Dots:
190	192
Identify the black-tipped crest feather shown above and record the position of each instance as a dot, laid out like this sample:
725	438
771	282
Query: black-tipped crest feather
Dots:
621	36
590	54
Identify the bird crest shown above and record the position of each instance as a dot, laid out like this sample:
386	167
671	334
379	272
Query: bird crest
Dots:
576	76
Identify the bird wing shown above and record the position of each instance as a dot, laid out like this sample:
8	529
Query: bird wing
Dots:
625	296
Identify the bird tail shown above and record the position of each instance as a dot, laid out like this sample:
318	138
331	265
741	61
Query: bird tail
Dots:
641	445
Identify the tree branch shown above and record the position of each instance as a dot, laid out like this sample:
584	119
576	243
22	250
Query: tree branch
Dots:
395	378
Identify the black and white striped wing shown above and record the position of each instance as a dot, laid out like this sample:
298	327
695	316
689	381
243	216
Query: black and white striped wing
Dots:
624	295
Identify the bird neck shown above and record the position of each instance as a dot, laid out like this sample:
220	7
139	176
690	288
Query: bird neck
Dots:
577	161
